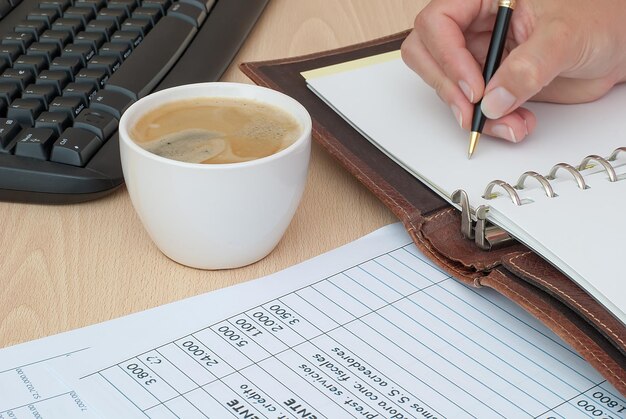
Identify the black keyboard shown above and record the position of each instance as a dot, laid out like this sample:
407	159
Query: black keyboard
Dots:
70	68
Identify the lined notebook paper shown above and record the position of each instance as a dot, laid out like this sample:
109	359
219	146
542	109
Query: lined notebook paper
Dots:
370	330
579	231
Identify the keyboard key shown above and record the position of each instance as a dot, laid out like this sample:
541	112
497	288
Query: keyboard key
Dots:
5	8
114	103
9	53
75	146
119	50
33	63
25	111
82	51
42	92
8	92
70	65
46	15
69	25
3	107
206	5
189	12
115	15
8	130
131	39
104	27
34	27
96	5
95	39
95	76
104	62
84	14
49	51
56	121
128	5
151	13
21	39
147	65
162	5
69	105
85	91
34	142
60	38
21	78
58	5
100	123
141	26
58	79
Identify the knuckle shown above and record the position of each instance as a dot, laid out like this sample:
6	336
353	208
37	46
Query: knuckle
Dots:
421	20
425	23
406	49
561	32
410	53
447	60
526	72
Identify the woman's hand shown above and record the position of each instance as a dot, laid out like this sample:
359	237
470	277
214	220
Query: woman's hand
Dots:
565	51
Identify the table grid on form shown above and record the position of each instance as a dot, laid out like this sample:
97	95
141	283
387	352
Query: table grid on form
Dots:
319	352
47	391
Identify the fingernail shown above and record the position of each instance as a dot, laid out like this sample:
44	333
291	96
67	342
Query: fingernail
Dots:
467	90
457	114
526	126
497	102
505	132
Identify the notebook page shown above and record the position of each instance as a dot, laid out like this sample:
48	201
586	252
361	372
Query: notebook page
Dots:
589	246
370	330
391	105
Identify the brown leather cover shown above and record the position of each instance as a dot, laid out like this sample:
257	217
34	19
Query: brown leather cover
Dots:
514	271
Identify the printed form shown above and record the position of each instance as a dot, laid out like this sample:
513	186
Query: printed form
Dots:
370	330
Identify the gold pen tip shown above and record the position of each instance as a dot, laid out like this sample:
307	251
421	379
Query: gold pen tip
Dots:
474	136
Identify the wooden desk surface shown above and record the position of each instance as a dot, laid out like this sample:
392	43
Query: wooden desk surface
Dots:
63	267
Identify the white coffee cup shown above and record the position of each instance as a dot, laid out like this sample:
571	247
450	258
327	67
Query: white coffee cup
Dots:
215	216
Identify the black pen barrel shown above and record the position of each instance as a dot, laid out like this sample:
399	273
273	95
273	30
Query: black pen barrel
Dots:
494	56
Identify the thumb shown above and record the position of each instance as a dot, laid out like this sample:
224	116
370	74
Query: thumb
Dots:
528	68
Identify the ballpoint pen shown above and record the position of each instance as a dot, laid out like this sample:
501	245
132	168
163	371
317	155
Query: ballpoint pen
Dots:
494	56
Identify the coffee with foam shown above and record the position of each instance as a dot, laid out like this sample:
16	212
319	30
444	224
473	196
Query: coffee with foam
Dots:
215	130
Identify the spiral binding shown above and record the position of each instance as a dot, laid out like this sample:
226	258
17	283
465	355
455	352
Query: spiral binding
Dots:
545	180
487	236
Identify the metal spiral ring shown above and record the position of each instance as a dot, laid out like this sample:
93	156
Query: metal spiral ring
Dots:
460	197
512	192
614	154
607	166
579	178
544	182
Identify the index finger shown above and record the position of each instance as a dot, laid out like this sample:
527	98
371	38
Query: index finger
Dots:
441	26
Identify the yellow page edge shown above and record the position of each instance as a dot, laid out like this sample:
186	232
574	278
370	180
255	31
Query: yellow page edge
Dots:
350	65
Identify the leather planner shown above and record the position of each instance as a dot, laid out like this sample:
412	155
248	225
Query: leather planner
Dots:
514	271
